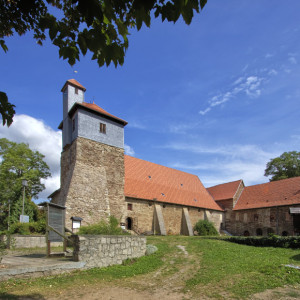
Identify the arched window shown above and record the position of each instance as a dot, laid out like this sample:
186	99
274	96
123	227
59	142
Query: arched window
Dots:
129	223
258	231
246	233
285	233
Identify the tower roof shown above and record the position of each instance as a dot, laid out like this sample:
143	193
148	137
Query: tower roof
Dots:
92	107
74	83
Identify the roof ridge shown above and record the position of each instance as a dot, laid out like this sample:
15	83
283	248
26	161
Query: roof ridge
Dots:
272	182
163	166
225	183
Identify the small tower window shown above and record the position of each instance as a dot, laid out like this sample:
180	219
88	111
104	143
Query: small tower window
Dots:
76	91
129	206
102	128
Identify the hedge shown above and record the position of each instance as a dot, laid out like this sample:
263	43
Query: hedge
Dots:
267	241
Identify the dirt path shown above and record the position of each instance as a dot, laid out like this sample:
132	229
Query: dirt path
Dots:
165	283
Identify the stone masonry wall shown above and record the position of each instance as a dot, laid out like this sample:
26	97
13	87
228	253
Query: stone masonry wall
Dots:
29	241
92	181
269	220
143	211
103	251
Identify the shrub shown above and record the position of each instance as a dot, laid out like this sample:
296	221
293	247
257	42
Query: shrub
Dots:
2	249
103	227
38	227
204	227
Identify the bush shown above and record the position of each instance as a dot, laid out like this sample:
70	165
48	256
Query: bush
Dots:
38	227
103	227
204	227
267	241
2	249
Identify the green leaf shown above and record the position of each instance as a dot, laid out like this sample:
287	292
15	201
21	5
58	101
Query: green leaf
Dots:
3	46
202	3
82	44
6	110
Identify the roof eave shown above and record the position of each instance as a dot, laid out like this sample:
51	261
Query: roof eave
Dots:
78	105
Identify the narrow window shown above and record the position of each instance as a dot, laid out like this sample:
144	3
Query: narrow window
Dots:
73	125
102	128
255	218
76	91
272	218
129	206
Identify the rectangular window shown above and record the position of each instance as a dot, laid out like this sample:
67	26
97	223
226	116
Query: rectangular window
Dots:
102	128
129	206
76	91
73	125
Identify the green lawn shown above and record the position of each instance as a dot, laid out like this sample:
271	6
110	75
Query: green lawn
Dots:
214	268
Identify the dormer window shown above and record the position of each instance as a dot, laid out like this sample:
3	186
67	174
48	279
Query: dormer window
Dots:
102	128
76	91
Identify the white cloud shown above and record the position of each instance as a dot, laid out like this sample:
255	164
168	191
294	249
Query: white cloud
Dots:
269	55
249	85
42	138
135	124
229	163
272	72
293	60
129	150
203	112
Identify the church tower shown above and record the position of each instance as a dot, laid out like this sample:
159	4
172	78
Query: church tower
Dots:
92	160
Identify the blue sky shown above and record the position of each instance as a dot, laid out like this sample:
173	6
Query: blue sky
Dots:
218	98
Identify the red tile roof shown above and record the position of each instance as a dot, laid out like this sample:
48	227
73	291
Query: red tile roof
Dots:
275	193
146	180
74	83
224	191
97	108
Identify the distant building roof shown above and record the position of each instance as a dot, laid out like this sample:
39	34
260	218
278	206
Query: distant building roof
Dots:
149	181
224	191
274	193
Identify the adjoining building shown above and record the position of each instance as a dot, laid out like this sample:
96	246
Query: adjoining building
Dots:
98	180
272	207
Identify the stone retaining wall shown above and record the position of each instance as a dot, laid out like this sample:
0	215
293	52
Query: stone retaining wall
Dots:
103	250
29	241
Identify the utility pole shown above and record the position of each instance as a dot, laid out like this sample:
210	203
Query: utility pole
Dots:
24	184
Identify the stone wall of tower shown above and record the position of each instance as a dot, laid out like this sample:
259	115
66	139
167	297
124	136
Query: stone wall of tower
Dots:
92	181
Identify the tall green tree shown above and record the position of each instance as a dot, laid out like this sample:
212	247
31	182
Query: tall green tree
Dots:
78	26
18	162
287	165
